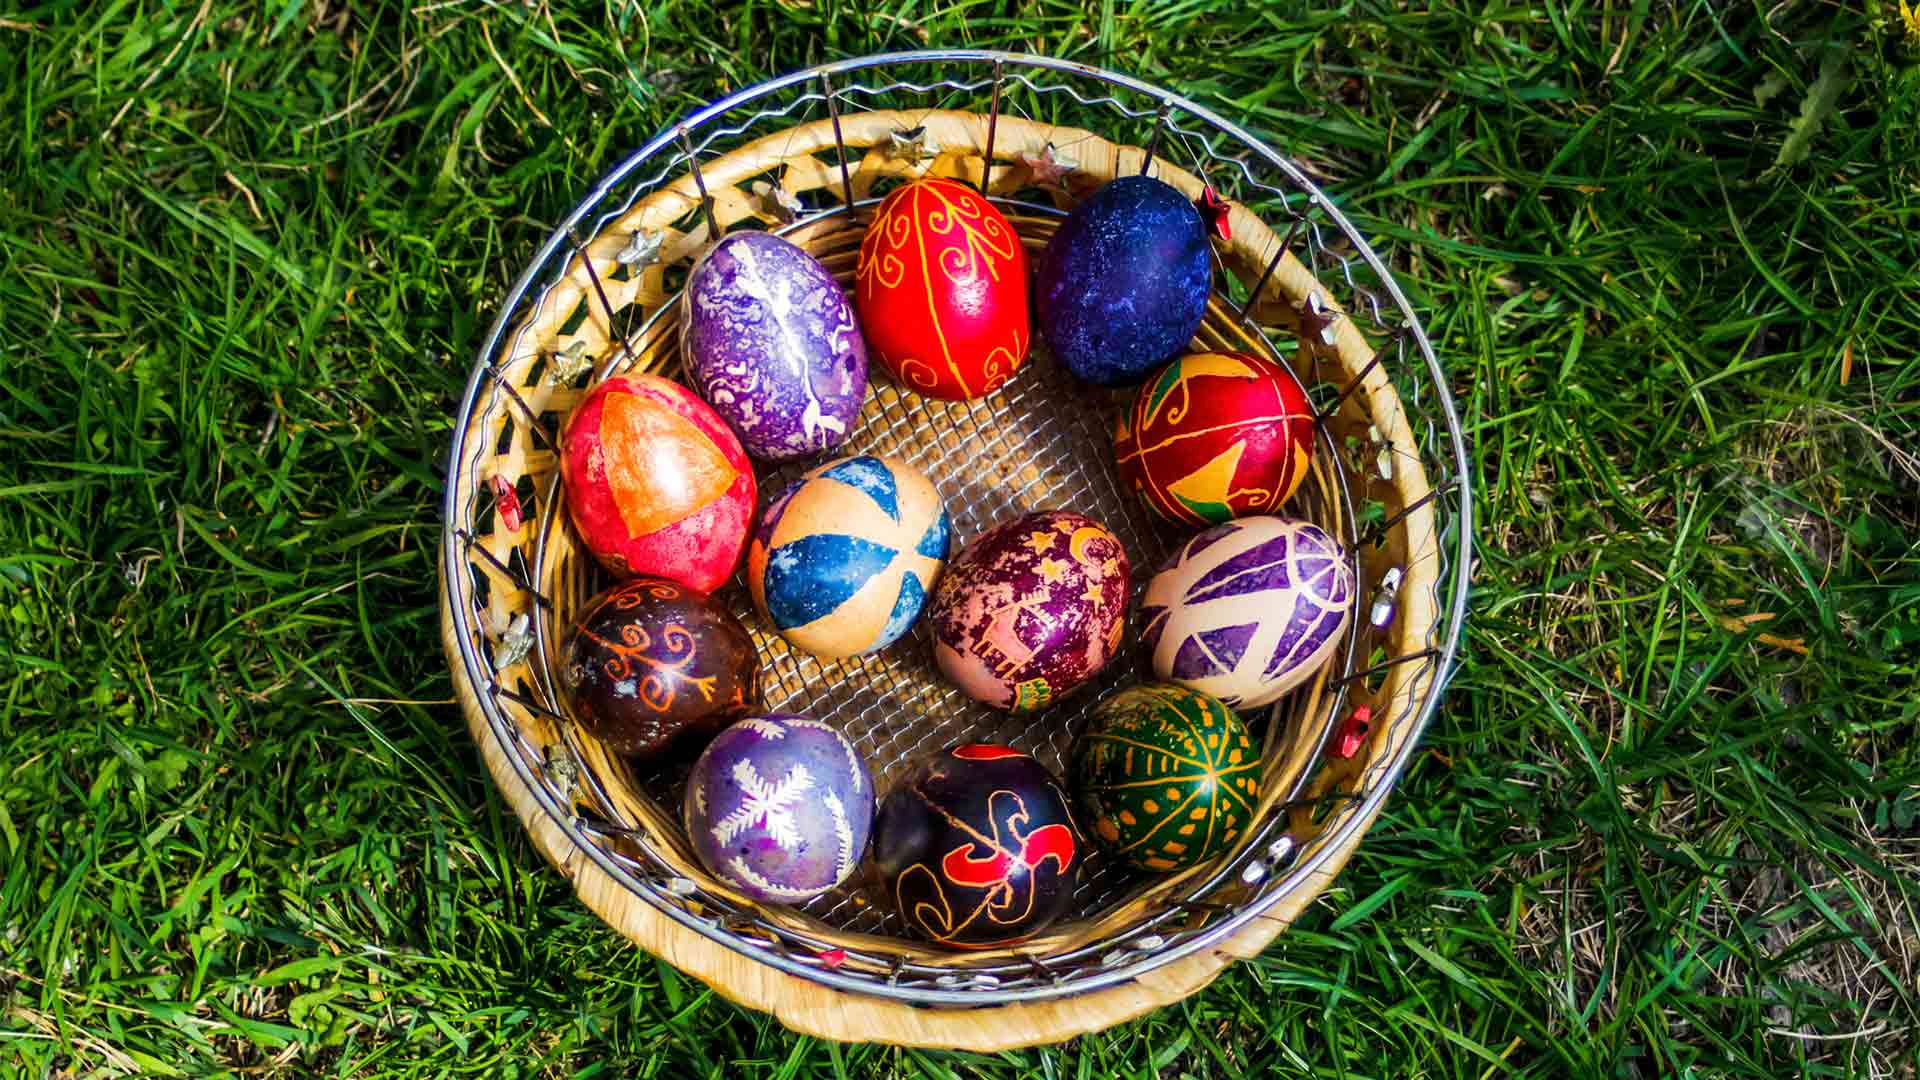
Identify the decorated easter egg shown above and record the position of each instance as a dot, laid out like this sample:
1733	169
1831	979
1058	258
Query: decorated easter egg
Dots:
652	665
978	847
769	339
1248	610
942	291
1215	436
1031	609
780	807
1123	283
843	560
1167	776
656	483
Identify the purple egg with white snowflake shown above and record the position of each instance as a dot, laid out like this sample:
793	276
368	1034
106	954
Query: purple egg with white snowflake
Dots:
780	807
1248	610
769	338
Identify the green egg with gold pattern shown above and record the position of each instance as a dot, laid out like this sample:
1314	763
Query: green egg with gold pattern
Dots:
1167	776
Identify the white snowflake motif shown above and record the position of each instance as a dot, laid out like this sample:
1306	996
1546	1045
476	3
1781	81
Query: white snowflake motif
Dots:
843	837
769	806
770	888
766	729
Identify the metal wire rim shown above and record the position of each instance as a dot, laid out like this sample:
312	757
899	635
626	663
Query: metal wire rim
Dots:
1137	949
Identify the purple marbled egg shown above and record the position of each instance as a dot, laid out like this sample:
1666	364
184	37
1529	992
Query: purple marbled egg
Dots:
769	339
1248	610
780	806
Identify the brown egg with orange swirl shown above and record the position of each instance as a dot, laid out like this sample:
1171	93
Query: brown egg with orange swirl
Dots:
653	667
942	291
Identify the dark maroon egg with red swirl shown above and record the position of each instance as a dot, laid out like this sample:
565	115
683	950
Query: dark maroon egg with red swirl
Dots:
978	847
653	666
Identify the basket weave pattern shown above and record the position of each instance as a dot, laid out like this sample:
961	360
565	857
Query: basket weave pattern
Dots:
836	967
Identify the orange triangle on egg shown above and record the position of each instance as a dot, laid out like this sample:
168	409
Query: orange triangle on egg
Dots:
661	468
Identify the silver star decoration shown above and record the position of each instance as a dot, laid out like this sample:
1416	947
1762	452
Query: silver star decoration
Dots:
571	363
782	204
643	249
1050	168
911	144
560	768
1317	318
1381	613
1384	460
514	644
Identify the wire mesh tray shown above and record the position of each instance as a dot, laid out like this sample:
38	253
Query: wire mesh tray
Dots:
810	155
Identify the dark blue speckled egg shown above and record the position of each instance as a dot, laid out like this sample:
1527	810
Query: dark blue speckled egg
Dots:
1123	284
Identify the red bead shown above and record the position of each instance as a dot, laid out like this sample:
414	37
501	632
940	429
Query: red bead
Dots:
942	291
1353	734
508	500
1215	211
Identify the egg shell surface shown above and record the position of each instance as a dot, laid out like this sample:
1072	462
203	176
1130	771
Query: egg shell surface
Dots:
780	806
1248	610
941	288
1167	776
1216	436
842	562
769	338
1123	283
1031	609
656	483
978	847
652	666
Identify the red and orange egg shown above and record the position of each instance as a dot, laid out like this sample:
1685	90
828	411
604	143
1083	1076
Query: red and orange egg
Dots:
1216	436
656	482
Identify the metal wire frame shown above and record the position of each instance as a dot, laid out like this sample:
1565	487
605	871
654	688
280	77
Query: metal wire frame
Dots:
1273	863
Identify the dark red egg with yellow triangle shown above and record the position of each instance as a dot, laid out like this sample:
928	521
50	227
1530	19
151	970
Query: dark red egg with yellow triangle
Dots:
942	291
1216	436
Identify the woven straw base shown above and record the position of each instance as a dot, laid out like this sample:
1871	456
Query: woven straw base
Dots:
1373	411
820	1011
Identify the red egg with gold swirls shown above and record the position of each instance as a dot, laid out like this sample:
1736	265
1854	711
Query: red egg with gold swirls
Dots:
656	482
1216	436
942	291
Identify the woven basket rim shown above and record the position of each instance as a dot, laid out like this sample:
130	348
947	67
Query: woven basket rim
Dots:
471	674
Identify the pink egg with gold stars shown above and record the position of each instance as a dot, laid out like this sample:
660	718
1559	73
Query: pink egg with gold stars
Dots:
1031	609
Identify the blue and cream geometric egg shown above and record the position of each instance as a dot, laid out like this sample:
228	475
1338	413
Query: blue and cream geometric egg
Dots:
845	558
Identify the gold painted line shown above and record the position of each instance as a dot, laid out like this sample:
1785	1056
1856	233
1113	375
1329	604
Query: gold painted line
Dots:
1183	759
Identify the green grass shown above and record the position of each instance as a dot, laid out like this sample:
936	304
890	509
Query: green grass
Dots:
247	257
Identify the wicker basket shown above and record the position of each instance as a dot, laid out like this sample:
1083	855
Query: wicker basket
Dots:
809	155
